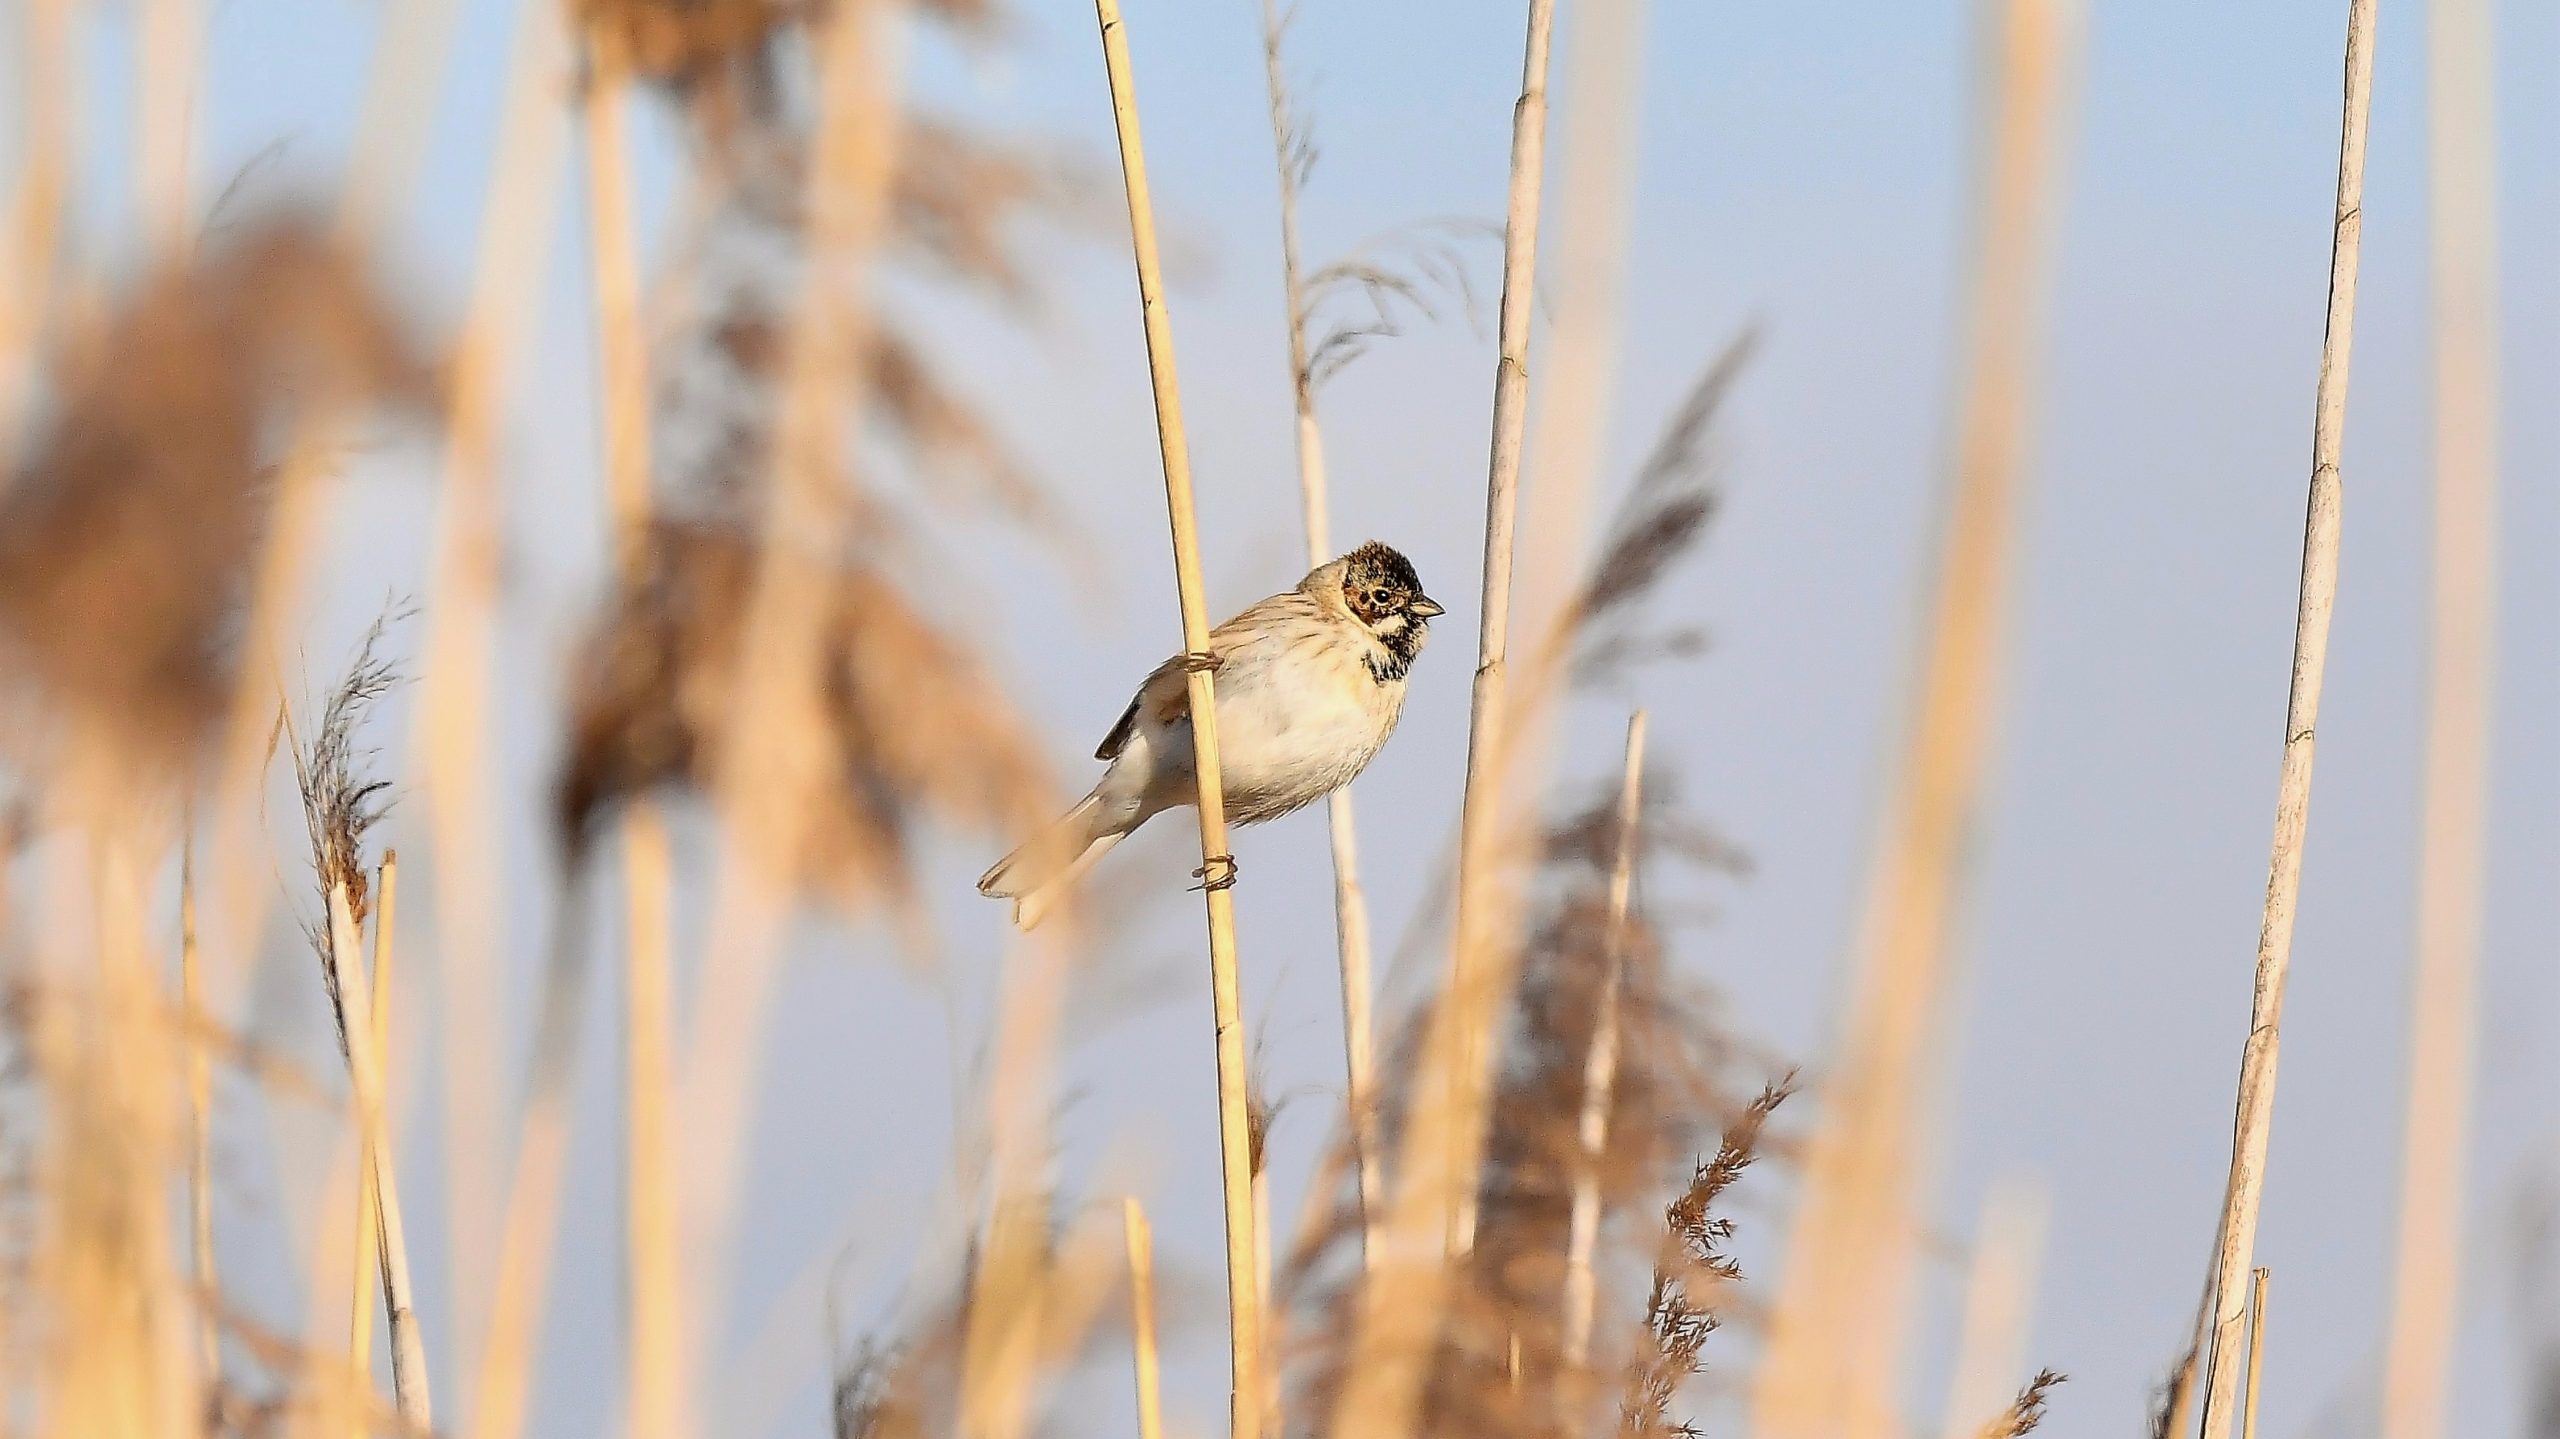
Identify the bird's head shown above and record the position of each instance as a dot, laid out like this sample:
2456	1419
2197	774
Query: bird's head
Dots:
1382	592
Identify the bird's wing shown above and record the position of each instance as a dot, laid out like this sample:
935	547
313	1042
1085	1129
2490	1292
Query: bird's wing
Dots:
1166	694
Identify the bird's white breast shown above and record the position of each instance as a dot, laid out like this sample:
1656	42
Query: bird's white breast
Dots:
1299	716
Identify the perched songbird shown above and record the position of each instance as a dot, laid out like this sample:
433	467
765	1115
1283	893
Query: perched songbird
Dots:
1310	683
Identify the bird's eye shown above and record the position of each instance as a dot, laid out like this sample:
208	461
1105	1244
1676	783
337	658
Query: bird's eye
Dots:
1378	598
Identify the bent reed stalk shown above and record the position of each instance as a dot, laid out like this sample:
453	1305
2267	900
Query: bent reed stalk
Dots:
2255	1110
1217	864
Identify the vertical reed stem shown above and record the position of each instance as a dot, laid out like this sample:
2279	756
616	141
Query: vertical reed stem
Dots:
31	229
1217	864
370	1256
2255	1110
172	39
1600	1066
199	1074
1837	1330
2257	1350
1350	901
364	1066
654	1362
2462	191
1473	955
1400	1303
1999	1294
454	727
1142	1317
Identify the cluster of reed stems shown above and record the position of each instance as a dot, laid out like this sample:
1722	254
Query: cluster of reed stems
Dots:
1524	1224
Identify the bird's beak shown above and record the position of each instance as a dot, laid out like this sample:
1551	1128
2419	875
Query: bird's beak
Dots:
1425	608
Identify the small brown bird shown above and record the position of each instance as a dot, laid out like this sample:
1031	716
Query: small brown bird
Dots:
1310	683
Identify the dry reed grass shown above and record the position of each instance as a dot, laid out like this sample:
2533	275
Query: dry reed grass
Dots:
130	527
2026	1411
2008	1246
2254	1115
1836	1341
1677	1078
341	804
1561	1257
1247	1397
2453	828
914	725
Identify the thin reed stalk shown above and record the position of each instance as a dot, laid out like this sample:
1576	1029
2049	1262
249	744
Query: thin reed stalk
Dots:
657	1372
172	43
659	1377
33	223
1217	864
1600	1066
2008	1245
622	349
2453	827
1350	901
454	698
408	59
410	51
126	1310
1262	1266
1399	1305
1836	1333
1142	1318
2257	1352
1013	1294
199	1075
370	1255
2255	1109
1476	950
773	759
1576	397
409	1390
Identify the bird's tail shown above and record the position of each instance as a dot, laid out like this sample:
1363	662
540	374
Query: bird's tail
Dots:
1039	874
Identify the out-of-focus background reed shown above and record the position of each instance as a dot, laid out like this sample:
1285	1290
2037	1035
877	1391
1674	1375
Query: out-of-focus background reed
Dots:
681	475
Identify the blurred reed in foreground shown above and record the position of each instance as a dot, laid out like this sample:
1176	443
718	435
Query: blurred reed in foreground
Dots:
1527	1220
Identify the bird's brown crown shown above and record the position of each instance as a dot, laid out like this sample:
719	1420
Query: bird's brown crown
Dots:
1377	582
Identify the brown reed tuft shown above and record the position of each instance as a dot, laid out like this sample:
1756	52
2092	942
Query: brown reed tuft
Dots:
1681	1305
340	803
1501	1333
2027	1410
915	726
1032	1292
958	204
685	45
129	529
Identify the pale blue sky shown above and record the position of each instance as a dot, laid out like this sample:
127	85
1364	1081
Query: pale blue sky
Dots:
1801	165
